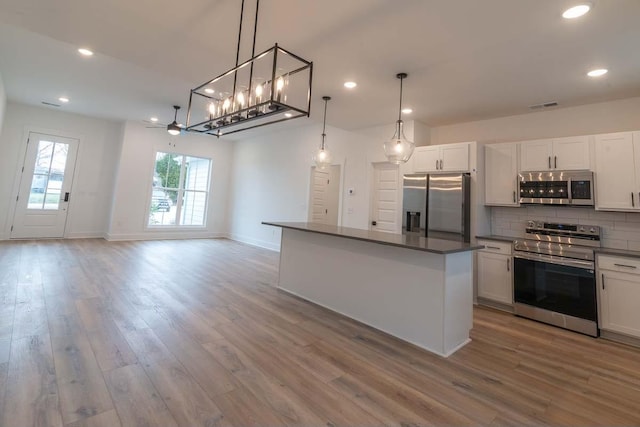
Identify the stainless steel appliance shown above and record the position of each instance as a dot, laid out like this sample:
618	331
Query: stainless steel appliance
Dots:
437	206
557	188
554	275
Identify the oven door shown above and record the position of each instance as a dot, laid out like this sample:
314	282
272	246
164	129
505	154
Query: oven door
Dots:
555	284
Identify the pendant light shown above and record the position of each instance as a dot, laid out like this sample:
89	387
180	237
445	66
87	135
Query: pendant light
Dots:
173	128
322	157
399	149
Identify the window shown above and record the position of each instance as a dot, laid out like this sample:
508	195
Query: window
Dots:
180	190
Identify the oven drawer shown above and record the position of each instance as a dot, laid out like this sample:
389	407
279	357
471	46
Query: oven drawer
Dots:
621	264
496	247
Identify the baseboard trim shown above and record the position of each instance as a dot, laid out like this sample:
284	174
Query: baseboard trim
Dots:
162	236
254	242
80	235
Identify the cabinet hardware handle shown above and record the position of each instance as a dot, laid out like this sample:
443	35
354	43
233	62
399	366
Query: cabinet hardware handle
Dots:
633	204
549	162
514	196
437	165
555	162
602	281
493	247
441	164
625	265
508	264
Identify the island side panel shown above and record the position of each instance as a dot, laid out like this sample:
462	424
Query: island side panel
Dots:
397	290
458	300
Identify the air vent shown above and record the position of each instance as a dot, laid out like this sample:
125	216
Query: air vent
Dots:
543	105
50	104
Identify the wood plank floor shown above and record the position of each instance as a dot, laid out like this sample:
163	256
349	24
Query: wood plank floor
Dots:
193	333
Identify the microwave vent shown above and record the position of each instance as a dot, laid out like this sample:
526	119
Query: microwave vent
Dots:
543	105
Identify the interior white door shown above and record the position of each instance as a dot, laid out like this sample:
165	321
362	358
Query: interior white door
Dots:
45	187
319	193
384	209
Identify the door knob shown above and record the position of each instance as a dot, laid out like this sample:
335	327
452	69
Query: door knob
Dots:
374	223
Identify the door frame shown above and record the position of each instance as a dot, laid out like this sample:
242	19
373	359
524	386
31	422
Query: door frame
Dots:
371	190
341	162
22	153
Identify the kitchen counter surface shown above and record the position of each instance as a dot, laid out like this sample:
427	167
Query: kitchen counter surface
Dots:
497	238
618	252
437	246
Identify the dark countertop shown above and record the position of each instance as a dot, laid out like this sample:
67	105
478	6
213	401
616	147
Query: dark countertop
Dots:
497	238
437	246
618	252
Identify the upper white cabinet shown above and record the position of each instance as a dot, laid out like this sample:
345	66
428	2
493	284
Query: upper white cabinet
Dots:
442	158
501	170
617	176
572	153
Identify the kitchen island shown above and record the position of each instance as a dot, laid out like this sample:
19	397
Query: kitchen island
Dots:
417	289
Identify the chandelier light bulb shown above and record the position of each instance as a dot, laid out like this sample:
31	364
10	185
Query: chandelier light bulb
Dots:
212	108
259	90
240	98
225	105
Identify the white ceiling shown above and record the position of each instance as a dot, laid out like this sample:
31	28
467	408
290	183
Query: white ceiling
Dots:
466	59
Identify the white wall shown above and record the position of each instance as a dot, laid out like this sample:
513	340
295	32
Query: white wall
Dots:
271	179
95	166
603	117
3	102
133	183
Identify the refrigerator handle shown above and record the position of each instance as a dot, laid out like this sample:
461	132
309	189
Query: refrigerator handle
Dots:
466	208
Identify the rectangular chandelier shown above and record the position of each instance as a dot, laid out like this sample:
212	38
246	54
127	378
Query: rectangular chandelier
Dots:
271	87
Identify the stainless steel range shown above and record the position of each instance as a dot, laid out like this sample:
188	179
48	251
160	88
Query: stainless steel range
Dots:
554	275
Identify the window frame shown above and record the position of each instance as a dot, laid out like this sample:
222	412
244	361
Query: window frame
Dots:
181	190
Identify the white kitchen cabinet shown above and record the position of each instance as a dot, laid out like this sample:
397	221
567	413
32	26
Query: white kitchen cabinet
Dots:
495	272
617	180
619	293
442	158
501	170
572	153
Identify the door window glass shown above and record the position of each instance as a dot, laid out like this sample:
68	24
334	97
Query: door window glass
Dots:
48	174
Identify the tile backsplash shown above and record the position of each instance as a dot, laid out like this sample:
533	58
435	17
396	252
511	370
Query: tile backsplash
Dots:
620	230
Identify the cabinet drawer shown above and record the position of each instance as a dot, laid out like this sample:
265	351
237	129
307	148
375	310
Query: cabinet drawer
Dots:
622	264
496	247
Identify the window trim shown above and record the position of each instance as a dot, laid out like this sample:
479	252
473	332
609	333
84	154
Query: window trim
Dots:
181	190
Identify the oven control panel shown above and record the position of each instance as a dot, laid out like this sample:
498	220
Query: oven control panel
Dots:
565	229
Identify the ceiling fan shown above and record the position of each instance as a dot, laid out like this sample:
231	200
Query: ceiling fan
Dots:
174	128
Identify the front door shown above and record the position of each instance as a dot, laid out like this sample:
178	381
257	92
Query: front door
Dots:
384	208
45	187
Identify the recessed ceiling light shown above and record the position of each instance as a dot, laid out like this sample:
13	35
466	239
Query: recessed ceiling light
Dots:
287	115
597	73
154	119
350	85
209	90
576	11
63	99
85	52
407	110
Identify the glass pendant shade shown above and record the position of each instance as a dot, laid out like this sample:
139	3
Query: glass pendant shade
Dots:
322	158
398	149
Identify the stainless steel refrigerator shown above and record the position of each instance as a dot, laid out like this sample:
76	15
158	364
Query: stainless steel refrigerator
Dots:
437	206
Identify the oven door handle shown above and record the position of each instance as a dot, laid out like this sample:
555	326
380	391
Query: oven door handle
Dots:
551	259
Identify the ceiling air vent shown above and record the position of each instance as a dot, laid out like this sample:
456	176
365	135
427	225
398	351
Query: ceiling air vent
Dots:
50	104
543	105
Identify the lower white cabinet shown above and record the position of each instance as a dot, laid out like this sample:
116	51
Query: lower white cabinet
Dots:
495	272
619	294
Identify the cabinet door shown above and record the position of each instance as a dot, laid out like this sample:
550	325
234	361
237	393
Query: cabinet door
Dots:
571	153
619	296
501	170
455	157
426	159
636	157
495	280
536	155
615	172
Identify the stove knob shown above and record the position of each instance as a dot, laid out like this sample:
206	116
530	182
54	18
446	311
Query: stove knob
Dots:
592	230
531	224
582	229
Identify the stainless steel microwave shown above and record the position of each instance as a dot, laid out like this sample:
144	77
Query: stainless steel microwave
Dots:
573	188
